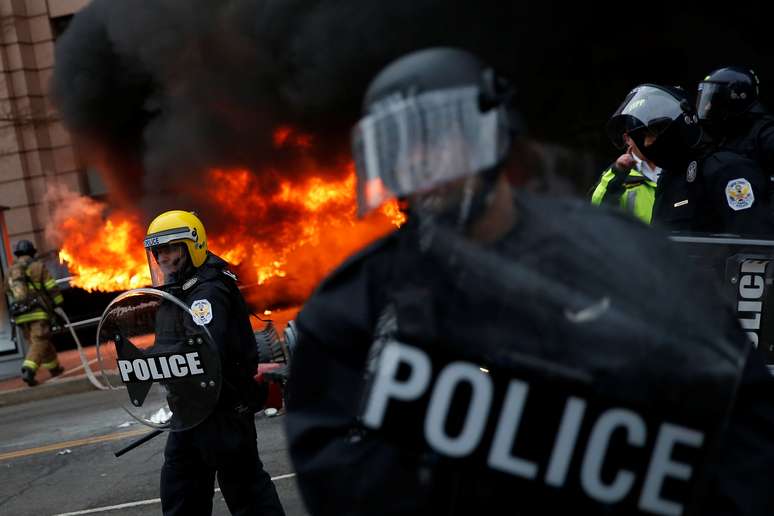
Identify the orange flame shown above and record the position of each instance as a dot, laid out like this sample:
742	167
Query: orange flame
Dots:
100	253
283	242
316	226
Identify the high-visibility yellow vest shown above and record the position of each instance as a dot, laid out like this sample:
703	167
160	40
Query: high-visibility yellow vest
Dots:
631	191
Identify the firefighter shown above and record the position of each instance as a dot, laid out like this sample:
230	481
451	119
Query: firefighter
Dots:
224	444
702	188
34	296
730	111
474	359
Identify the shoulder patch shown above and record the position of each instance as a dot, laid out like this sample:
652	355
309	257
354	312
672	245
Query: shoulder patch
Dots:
201	311
190	283
230	274
690	174
739	194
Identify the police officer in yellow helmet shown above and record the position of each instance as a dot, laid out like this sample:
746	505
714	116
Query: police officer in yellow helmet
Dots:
175	244
225	442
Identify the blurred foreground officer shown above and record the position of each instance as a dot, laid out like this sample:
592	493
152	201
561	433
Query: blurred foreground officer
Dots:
225	442
702	188
479	361
34	296
730	111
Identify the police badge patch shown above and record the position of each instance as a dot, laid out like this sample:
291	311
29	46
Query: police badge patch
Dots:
201	310
739	194
690	174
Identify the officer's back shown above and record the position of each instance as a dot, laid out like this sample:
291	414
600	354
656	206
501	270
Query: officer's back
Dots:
480	358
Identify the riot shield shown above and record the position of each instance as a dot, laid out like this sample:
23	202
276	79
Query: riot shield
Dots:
745	271
159	364
546	378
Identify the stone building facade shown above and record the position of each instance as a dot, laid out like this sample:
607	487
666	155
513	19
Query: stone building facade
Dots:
35	150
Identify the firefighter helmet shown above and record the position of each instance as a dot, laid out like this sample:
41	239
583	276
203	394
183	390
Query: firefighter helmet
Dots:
24	248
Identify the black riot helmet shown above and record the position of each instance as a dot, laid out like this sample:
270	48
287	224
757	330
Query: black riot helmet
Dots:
430	117
661	121
24	248
727	93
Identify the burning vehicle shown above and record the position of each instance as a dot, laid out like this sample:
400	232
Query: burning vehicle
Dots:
278	275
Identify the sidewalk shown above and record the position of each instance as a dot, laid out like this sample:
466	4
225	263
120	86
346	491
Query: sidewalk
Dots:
73	380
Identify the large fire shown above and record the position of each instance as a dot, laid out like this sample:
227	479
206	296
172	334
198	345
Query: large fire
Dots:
281	243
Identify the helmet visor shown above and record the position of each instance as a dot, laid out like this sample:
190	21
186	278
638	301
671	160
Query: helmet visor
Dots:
413	145
711	101
166	255
645	108
165	262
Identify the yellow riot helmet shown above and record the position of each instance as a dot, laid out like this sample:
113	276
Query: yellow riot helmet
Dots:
174	227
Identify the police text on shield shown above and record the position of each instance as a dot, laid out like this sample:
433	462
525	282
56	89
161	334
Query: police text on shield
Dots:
160	367
418	378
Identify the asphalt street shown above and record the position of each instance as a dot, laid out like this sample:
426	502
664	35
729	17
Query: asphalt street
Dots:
57	458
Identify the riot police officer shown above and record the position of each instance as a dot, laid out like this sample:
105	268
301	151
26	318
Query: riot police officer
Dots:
702	188
479	358
225	442
730	111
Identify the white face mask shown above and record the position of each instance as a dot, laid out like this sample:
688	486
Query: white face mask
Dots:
646	170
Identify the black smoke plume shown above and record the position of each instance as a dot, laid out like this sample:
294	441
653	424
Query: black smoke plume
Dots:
158	92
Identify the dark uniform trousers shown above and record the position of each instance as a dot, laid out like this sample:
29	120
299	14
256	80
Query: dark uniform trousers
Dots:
223	443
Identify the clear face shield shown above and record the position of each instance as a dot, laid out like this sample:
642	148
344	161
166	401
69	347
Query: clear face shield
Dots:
167	256
413	145
711	101
646	110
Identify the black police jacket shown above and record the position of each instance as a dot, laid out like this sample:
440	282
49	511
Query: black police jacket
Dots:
228	321
563	255
722	192
753	137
